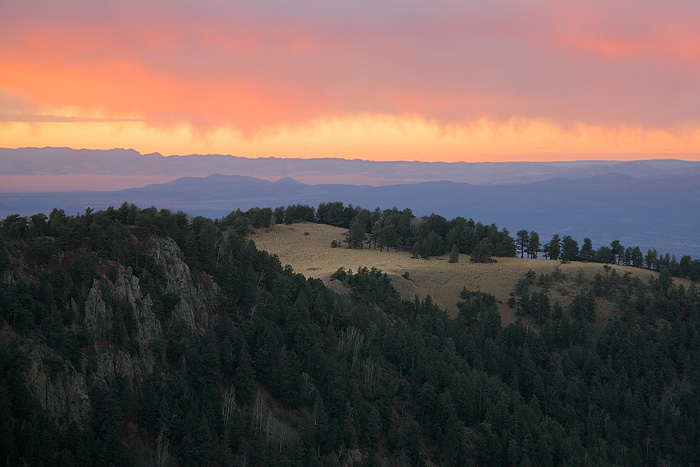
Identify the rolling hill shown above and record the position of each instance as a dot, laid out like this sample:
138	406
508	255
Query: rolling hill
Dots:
307	248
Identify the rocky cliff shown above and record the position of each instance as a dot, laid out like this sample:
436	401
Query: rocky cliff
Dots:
116	324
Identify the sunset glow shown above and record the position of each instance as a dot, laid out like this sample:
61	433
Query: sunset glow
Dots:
454	82
373	138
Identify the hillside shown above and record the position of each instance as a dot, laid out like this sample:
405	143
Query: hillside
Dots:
140	337
307	248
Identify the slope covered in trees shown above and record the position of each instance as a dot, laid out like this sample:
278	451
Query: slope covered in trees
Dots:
194	348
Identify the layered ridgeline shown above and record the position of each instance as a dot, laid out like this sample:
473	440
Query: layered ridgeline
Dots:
142	337
650	203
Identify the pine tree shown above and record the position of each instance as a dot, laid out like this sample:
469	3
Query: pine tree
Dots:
533	246
454	254
245	377
552	250
522	241
482	252
569	249
586	250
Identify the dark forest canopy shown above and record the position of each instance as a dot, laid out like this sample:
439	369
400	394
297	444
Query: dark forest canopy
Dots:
290	373
424	236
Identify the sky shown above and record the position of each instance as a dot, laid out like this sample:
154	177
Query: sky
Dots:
384	80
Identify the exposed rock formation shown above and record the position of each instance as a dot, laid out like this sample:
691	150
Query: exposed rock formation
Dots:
65	390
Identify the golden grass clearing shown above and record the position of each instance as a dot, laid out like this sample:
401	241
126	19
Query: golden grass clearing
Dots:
307	248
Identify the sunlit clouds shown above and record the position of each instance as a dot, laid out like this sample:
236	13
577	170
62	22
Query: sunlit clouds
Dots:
375	138
396	80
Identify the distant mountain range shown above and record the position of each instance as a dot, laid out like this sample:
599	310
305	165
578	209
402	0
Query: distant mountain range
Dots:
655	212
44	169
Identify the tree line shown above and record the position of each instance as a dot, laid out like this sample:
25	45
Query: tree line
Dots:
434	235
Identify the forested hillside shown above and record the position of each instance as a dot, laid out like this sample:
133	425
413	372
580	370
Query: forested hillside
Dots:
435	235
141	337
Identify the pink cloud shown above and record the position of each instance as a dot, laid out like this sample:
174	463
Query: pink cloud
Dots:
260	64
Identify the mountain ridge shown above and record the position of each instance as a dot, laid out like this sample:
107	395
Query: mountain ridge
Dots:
54	162
603	208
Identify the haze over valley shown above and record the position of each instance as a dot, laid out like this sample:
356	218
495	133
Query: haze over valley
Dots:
48	169
652	204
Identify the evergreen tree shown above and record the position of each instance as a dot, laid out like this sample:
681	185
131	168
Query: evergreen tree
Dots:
534	244
432	245
651	260
617	251
454	254
482	252
552	250
587	253
357	231
522	241
637	259
244	382
569	249
604	255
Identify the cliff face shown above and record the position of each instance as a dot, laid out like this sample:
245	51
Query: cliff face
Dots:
196	307
121	335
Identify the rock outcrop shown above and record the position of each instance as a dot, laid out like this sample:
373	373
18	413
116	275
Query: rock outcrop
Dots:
65	387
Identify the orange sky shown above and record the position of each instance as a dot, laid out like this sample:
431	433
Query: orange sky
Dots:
505	81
